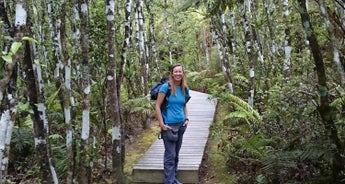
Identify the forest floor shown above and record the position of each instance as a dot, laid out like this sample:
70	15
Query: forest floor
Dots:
213	169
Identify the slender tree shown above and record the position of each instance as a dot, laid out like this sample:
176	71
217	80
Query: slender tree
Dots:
222	38
270	41
8	96
248	34
287	42
7	120
8	114
113	106
67	85
142	44
167	29
40	121
153	57
324	106
127	42
84	176
333	40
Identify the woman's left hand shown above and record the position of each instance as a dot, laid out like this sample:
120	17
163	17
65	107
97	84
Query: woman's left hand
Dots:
186	121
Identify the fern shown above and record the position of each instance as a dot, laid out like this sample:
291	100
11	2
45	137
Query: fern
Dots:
243	113
241	105
340	101
299	164
137	111
280	161
259	144
137	105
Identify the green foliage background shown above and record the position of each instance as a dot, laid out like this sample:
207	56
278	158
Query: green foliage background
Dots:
280	139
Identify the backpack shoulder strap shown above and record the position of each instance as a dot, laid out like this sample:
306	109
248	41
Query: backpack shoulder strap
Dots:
165	100
169	91
187	96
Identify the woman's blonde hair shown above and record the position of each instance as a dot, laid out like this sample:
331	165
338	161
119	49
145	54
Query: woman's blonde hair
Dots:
172	84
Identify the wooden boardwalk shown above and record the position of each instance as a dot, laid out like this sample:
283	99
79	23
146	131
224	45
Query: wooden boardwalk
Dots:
150	167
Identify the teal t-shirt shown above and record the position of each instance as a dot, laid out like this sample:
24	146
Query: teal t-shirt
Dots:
174	111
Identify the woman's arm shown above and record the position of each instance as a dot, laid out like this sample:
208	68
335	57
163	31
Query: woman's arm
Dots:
159	101
186	121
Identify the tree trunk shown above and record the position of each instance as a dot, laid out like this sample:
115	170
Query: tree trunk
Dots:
287	43
141	46
7	121
40	126
249	48
85	160
324	108
153	58
66	92
8	89
167	30
40	121
127	42
221	36
113	107
333	40
270	42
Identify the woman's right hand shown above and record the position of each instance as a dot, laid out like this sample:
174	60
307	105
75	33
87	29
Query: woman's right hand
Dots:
164	127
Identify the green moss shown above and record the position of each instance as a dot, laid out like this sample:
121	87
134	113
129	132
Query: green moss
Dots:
217	167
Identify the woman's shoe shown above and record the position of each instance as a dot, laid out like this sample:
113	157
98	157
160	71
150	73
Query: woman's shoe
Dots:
177	182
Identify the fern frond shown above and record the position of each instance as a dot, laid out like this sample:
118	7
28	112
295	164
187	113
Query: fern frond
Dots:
137	102
237	118
299	162
280	162
241	105
338	101
142	105
243	114
236	114
256	146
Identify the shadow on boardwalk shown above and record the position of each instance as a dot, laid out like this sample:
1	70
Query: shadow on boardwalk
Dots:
149	169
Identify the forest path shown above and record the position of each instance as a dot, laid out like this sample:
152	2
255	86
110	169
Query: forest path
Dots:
201	112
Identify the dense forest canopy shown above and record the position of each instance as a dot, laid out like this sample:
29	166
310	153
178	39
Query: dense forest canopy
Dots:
75	77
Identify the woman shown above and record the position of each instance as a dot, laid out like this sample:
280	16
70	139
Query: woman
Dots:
172	114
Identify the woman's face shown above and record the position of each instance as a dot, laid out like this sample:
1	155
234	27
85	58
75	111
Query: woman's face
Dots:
177	73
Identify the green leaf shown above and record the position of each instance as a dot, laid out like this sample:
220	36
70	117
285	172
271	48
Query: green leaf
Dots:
15	47
25	38
7	58
55	136
261	179
36	61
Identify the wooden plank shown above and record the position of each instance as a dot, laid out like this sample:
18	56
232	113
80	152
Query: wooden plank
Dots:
156	176
149	169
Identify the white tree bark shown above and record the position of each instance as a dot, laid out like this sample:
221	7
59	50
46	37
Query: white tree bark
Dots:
6	129
85	89
8	115
226	59
220	28
113	105
167	30
334	41
127	42
246	18
39	51
141	44
287	42
152	50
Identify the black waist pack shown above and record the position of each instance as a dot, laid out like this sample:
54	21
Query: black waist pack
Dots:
172	134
